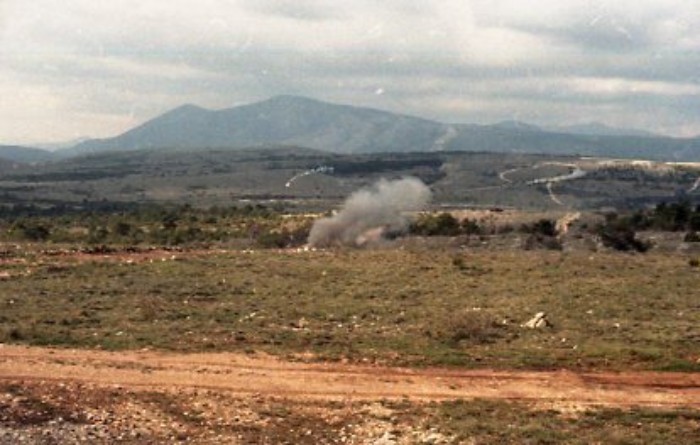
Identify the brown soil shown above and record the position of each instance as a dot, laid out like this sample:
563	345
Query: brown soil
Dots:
255	374
52	396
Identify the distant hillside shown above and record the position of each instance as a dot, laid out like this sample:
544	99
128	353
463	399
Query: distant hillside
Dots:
498	139
287	120
53	146
298	121
7	165
24	154
599	129
292	176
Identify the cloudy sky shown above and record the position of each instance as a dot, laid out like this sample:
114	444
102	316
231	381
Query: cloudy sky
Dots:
75	68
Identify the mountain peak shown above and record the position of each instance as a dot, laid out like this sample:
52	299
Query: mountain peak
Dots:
286	100
283	120
186	109
290	98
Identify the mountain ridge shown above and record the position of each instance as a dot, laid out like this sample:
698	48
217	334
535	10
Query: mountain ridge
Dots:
24	155
340	128
281	119
599	129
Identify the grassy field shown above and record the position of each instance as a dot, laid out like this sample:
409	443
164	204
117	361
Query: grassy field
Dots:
410	305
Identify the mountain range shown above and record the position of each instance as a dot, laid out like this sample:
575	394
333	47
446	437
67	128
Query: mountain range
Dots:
299	121
25	155
282	120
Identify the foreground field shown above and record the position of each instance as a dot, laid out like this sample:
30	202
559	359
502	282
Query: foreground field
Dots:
65	396
409	306
294	346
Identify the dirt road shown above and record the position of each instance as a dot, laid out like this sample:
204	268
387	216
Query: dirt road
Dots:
267	376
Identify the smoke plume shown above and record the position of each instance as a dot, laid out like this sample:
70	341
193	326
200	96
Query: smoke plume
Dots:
370	213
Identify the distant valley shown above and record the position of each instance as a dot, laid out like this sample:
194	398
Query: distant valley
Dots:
297	177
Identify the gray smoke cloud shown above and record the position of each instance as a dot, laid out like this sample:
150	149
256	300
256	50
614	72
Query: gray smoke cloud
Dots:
370	213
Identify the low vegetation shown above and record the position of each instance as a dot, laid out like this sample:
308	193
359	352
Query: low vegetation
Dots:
209	416
413	306
154	225
483	422
233	279
205	279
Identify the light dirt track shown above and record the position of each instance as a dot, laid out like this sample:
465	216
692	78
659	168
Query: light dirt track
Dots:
267	376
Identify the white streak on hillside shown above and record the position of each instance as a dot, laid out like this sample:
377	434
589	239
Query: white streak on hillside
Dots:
321	169
695	186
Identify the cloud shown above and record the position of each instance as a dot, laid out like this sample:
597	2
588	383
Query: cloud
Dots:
315	10
452	60
597	24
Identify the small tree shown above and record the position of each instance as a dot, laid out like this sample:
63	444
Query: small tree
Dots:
36	232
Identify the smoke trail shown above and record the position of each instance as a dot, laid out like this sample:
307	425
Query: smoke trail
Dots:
370	213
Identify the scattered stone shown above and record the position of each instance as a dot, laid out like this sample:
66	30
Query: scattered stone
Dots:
538	321
433	438
386	439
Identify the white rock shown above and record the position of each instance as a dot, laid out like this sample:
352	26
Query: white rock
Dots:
538	321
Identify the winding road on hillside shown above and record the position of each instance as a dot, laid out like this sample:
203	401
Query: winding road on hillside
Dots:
265	375
694	187
576	172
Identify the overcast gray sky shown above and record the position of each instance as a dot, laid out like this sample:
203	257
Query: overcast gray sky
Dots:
73	68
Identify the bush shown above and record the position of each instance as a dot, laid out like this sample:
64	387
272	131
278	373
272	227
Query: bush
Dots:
675	216
471	227
543	234
621	238
543	227
692	237
122	228
35	232
442	224
535	241
284	238
469	327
